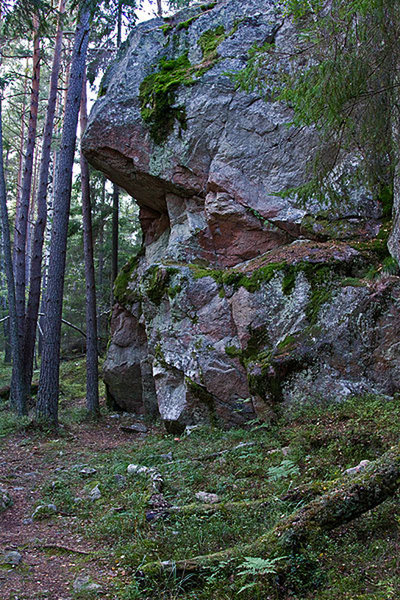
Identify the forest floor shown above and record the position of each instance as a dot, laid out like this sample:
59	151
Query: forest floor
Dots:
106	541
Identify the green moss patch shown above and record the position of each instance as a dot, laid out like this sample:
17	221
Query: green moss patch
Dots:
157	97
209	42
321	278
157	91
156	283
237	279
186	24
122	293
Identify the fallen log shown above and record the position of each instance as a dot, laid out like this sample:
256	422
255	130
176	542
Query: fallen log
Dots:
351	498
213	455
5	391
206	509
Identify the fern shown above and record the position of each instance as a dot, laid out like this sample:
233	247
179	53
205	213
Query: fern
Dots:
287	468
254	567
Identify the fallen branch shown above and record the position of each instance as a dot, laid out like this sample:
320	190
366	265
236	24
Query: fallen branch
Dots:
351	498
63	548
62	320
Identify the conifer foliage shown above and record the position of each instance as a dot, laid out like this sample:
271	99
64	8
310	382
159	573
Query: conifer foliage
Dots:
343	80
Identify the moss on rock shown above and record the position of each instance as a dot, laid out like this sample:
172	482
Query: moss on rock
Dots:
156	283
122	293
157	96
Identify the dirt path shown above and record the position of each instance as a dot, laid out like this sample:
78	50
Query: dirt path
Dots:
52	553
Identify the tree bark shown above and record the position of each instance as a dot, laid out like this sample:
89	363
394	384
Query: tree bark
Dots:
21	143
114	251
21	223
92	369
47	405
100	278
40	225
18	397
3	301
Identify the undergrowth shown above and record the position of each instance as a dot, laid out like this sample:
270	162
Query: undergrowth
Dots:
309	446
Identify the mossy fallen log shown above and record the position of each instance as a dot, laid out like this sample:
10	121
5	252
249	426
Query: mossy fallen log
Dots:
227	507
351	498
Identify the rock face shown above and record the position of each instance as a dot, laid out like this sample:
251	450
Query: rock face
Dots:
242	298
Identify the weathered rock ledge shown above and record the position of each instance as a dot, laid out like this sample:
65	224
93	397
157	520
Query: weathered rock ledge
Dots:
242	298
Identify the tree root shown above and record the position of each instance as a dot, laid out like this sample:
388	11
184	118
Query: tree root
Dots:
352	497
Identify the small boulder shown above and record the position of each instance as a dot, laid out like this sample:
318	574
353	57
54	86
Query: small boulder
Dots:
207	497
83	584
95	493
13	558
5	500
134	428
87	471
43	511
360	467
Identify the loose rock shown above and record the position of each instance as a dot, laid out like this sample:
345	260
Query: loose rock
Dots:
95	493
134	428
88	471
83	584
360	467
5	500
207	497
12	558
157	481
44	511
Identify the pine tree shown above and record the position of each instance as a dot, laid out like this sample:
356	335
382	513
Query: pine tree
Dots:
47	403
40	225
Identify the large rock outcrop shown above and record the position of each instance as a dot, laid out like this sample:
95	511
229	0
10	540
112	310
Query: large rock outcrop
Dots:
243	298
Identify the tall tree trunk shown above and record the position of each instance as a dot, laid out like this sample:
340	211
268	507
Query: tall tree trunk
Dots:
100	274
47	404
18	396
159	8
40	225
21	223
4	307
114	251
115	206
21	142
31	218
92	370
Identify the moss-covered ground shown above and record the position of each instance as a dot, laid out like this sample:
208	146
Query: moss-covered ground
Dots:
307	446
